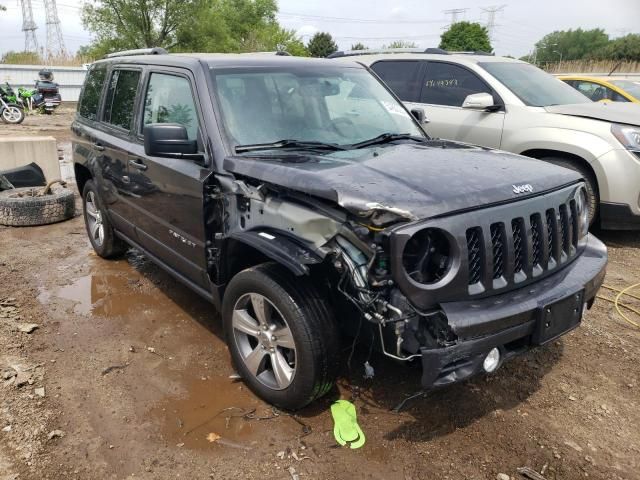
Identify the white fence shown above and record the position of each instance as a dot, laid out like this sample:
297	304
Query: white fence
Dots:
69	79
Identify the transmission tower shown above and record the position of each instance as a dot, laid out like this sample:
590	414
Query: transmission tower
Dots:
491	18
29	27
55	42
455	14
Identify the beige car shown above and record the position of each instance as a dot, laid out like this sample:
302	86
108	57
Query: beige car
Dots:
511	105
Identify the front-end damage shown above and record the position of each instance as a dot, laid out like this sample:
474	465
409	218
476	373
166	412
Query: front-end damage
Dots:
451	290
348	243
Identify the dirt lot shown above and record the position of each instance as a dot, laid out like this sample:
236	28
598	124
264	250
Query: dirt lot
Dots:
136	377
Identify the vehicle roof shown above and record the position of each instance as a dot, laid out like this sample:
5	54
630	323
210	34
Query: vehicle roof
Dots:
463	58
222	60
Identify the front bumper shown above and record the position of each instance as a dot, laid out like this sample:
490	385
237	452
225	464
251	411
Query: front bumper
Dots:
515	321
618	173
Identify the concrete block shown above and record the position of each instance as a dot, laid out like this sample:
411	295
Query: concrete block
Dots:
19	151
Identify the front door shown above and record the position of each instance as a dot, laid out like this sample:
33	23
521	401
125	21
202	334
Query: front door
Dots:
167	193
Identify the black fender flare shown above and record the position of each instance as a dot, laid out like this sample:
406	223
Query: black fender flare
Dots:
281	248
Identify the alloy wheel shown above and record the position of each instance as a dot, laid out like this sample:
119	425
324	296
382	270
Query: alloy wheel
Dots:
94	219
264	340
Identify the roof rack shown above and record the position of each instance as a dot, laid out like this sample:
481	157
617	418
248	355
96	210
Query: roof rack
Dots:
477	52
374	51
138	51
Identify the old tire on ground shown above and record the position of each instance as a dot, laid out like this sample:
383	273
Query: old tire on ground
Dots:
99	229
281	334
591	184
19	208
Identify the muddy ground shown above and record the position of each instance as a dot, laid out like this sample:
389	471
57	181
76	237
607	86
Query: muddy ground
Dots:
127	375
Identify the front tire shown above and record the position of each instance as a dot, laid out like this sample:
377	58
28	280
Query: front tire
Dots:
12	114
99	229
281	334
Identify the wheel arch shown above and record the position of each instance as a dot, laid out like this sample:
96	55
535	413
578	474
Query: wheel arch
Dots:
541	153
83	175
249	248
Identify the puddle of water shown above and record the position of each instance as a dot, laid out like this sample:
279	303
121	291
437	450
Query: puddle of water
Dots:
221	413
112	289
108	293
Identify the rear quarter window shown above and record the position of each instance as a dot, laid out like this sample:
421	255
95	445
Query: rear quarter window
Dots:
90	99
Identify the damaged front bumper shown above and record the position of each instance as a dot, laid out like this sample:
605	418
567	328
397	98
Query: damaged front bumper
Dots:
516	321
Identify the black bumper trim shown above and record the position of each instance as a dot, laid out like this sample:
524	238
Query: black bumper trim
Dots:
509	321
618	216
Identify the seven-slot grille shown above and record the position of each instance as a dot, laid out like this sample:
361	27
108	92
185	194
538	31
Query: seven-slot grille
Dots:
522	248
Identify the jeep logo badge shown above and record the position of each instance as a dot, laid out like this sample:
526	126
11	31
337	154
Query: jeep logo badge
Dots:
526	188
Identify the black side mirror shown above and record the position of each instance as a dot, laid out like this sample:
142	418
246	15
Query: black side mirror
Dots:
418	114
168	140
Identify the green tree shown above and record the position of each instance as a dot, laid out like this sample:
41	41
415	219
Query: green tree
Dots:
401	44
359	46
623	48
466	37
21	58
123	24
570	44
321	45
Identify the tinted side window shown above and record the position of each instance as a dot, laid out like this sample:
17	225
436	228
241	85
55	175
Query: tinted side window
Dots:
169	100
401	77
448	84
90	100
121	98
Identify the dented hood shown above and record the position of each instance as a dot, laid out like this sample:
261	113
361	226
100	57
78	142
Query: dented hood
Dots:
616	112
413	180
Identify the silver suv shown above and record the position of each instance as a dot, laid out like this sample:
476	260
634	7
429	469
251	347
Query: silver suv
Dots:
508	104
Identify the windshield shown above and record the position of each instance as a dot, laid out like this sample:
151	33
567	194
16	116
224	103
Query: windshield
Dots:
629	86
533	86
340	106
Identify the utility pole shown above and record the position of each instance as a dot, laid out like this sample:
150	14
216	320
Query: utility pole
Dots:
455	14
55	42
29	27
491	18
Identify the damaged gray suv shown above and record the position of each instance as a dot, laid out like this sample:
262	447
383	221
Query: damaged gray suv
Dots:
305	202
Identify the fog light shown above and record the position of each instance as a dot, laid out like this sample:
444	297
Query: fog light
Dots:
491	361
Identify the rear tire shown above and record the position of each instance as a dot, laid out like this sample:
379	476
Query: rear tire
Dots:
288	354
591	184
99	229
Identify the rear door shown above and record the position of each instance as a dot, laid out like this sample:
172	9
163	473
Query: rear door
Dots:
115	140
444	88
167	193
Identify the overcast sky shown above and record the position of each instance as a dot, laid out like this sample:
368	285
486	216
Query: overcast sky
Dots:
376	22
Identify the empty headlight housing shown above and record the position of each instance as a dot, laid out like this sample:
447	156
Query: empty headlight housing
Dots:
427	256
582	211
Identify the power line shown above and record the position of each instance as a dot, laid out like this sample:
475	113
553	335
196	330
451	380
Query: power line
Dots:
29	27
455	14
355	20
491	17
55	42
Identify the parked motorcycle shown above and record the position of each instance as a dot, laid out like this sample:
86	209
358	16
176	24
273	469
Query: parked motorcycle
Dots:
11	112
29	99
49	90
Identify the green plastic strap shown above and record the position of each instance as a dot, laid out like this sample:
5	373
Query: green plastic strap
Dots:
346	428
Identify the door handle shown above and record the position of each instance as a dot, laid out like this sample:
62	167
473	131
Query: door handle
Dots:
98	147
137	164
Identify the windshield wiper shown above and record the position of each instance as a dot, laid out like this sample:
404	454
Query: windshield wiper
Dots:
389	137
289	143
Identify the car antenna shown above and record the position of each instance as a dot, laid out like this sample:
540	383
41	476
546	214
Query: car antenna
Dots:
616	66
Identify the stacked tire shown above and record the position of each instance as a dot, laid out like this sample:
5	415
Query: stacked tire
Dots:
21	207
